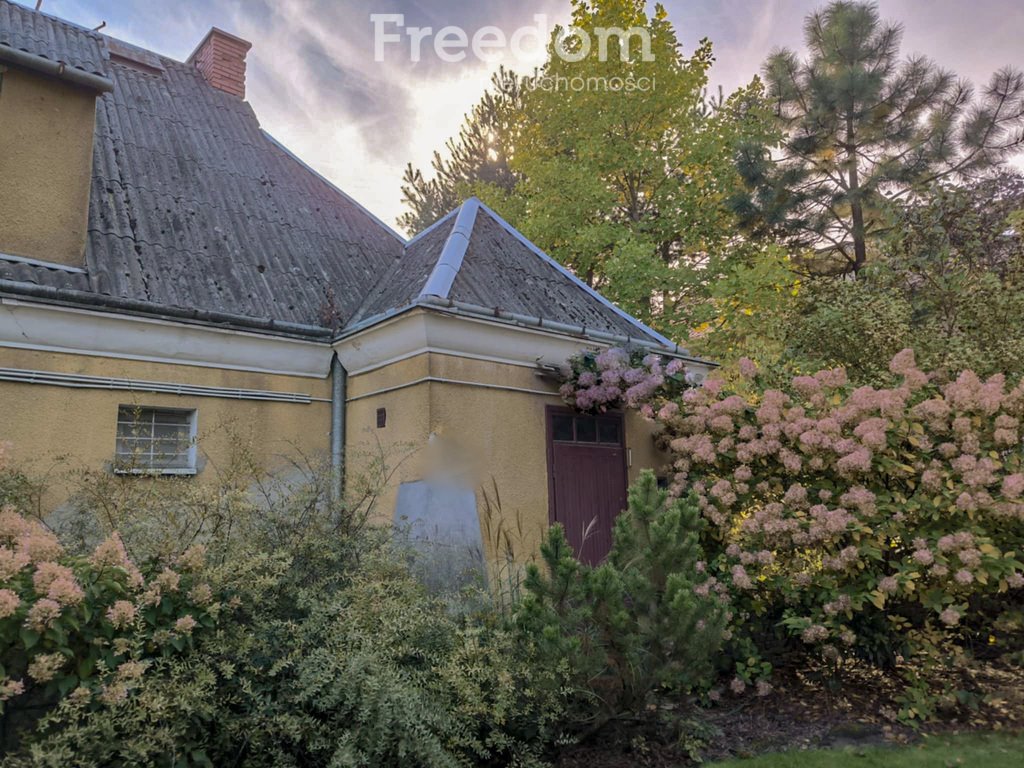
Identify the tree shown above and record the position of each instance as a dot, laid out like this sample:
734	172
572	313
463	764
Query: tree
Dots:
862	129
477	160
644	621
948	281
626	186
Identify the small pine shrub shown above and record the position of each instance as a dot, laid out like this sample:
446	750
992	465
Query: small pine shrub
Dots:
643	623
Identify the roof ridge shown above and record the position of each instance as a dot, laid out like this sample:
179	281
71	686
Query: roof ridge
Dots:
575	279
448	264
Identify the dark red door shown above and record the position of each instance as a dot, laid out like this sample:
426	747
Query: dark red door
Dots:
586	478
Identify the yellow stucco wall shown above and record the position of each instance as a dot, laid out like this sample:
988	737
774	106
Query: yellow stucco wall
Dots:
399	448
486	438
57	430
44	182
489	439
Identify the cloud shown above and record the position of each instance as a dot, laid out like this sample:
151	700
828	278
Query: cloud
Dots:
315	85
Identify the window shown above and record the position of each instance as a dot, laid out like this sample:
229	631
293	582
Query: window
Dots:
605	429
155	441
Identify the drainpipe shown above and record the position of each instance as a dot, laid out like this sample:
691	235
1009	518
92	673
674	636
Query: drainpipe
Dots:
339	393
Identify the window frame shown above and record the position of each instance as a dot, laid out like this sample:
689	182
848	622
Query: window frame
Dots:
187	471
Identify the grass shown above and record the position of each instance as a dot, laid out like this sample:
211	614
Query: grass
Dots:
991	751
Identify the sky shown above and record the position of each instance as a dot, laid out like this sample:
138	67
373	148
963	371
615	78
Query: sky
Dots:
317	86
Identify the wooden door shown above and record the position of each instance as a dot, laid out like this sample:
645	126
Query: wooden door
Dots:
586	478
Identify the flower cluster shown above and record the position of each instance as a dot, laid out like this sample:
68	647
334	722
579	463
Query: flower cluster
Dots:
597	381
835	501
47	608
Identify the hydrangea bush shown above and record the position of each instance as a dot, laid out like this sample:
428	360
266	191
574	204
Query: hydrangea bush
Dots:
878	521
88	627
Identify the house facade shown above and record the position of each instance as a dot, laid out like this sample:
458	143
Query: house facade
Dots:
173	281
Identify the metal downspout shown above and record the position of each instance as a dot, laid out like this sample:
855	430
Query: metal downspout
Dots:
339	393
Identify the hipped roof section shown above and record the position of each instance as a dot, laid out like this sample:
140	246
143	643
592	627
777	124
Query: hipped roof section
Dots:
474	259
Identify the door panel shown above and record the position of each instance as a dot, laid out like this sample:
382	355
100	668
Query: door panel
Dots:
587	479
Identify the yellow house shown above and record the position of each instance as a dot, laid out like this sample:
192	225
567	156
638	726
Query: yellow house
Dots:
167	269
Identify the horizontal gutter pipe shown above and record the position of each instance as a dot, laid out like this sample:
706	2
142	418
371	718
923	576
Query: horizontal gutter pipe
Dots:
135	306
82	381
475	310
56	69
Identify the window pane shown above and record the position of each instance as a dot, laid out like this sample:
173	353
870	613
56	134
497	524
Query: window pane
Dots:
608	431
181	418
586	429
170	435
561	428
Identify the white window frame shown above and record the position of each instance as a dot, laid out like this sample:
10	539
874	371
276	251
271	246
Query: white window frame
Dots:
193	422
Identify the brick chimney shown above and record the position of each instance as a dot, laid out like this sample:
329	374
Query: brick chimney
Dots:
221	59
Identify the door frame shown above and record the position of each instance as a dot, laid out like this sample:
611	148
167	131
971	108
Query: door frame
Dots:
560	410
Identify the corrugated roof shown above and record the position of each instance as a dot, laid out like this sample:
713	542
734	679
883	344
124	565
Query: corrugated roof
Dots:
500	270
193	206
43	35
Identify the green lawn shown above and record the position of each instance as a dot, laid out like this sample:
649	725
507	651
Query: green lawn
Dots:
938	752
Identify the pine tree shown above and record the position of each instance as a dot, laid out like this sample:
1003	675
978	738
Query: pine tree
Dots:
863	128
635	625
477	160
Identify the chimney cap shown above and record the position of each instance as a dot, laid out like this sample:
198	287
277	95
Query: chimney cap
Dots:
218	32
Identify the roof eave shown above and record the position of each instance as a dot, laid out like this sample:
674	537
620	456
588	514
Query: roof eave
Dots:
57	69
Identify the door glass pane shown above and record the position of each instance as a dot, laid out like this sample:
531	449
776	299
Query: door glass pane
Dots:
608	431
586	429
561	428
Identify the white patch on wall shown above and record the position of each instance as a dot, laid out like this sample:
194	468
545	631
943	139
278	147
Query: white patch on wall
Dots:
439	521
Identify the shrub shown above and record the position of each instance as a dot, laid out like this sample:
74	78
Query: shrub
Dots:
643	622
88	627
879	522
331	654
867	513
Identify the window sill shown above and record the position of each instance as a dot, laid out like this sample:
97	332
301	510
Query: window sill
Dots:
156	472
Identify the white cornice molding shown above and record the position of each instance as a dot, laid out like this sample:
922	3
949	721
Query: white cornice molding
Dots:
49	328
420	331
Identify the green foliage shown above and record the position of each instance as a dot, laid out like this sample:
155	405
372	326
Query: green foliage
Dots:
863	128
88	627
638	625
477	162
949	282
626	186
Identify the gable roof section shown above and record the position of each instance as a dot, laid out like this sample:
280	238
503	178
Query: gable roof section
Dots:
474	258
46	37
193	206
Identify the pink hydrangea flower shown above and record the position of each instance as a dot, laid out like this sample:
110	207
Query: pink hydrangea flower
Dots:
1013	486
814	634
121	614
9	602
747	368
42	614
